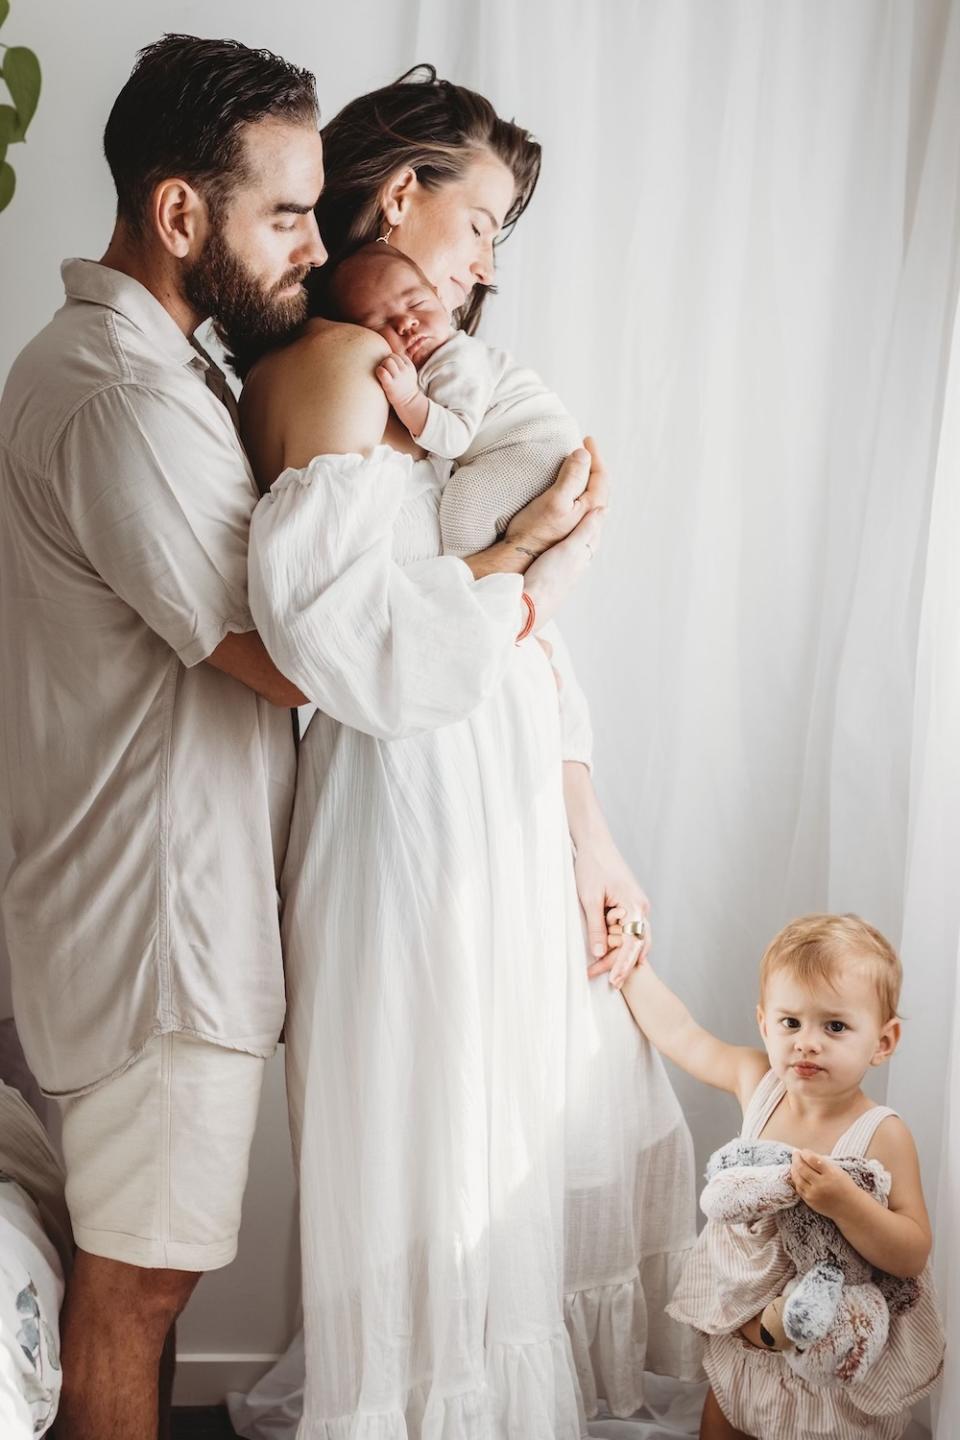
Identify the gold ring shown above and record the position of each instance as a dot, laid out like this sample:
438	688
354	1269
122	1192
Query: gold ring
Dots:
635	927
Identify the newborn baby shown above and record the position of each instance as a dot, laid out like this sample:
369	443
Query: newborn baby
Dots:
459	398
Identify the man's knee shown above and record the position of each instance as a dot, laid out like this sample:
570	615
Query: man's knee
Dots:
114	1294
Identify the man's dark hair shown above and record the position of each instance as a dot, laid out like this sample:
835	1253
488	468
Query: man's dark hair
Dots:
182	113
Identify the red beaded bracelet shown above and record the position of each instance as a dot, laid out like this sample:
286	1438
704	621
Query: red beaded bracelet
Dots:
531	619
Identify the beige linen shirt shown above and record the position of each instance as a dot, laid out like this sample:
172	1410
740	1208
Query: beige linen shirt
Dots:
147	794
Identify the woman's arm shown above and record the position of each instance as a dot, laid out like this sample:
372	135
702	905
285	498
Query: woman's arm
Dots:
668	1024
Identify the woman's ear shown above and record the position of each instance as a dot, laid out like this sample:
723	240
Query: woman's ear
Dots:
395	195
179	217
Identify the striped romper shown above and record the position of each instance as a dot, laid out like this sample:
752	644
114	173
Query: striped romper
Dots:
735	1270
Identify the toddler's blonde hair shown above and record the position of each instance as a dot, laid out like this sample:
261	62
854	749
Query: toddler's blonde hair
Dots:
816	947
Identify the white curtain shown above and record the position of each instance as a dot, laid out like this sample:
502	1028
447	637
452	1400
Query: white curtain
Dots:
741	271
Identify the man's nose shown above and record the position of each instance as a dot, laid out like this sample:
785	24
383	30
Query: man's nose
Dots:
312	250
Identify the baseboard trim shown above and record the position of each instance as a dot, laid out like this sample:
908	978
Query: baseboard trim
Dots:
204	1379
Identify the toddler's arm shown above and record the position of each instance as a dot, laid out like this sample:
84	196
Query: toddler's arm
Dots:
668	1024
896	1239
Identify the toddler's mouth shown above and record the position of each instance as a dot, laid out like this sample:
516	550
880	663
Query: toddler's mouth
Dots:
806	1070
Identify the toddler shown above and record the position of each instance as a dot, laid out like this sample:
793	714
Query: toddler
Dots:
829	989
459	398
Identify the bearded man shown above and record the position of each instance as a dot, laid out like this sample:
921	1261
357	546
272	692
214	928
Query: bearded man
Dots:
148	793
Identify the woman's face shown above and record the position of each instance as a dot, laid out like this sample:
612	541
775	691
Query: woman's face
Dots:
449	232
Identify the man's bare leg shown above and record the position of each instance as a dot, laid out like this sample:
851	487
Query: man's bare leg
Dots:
114	1326
714	1425
168	1366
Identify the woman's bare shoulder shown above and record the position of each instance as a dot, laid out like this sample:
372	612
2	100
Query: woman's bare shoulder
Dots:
318	395
324	346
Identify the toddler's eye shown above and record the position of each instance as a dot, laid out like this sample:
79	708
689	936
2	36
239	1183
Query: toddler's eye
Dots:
475	231
790	1022
836	1027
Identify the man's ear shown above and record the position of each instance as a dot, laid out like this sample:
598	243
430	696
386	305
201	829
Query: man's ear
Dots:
887	1043
396	193
179	217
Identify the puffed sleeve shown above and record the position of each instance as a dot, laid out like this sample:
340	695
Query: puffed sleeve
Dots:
386	649
576	729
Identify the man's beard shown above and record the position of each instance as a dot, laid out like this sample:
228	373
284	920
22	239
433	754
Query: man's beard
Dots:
247	318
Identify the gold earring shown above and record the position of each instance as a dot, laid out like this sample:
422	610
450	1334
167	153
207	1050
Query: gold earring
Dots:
385	239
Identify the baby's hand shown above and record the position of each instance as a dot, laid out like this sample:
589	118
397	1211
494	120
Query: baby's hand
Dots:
820	1183
401	383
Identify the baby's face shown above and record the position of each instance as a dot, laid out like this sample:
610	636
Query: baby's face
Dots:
392	298
822	1040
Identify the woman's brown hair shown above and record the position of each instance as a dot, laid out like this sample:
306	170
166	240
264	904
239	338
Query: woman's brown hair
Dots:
434	127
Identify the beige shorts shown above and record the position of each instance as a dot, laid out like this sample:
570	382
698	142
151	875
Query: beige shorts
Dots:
157	1157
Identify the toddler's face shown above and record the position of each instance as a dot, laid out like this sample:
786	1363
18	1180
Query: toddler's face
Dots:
396	301
822	1041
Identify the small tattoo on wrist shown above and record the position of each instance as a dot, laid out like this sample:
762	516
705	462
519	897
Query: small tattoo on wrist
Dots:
522	550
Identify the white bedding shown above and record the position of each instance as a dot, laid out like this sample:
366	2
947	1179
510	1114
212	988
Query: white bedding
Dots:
34	1252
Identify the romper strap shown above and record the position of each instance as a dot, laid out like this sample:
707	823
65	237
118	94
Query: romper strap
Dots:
856	1140
761	1105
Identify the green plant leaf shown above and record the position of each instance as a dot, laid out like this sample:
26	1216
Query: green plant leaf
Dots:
21	71
4	10
10	130
8	183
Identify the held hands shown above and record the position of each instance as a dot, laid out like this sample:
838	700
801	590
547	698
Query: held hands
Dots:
609	894
821	1184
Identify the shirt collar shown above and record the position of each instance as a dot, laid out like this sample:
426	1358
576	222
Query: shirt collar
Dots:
96	284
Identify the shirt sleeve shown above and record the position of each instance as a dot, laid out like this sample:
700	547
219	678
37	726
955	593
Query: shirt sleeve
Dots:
459	390
158	498
386	649
576	728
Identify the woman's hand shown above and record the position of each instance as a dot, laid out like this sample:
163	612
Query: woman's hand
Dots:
580	487
552	574
609	895
579	490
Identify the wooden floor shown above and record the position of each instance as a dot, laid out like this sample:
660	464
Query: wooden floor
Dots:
205	1424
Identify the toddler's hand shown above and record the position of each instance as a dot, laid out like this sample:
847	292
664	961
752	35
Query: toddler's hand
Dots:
820	1183
401	383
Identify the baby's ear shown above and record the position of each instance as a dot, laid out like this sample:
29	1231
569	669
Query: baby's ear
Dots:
761	1022
887	1042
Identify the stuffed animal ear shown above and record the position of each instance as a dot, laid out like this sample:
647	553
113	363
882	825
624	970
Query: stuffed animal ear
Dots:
737	1153
748	1192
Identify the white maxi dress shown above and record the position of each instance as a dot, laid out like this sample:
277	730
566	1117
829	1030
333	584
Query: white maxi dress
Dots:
496	1182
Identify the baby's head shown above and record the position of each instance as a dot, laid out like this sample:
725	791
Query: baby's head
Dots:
829	990
380	287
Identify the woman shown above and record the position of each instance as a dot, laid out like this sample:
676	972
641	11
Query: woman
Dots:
456	1084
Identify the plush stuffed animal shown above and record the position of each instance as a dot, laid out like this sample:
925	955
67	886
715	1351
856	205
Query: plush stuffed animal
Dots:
833	1320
